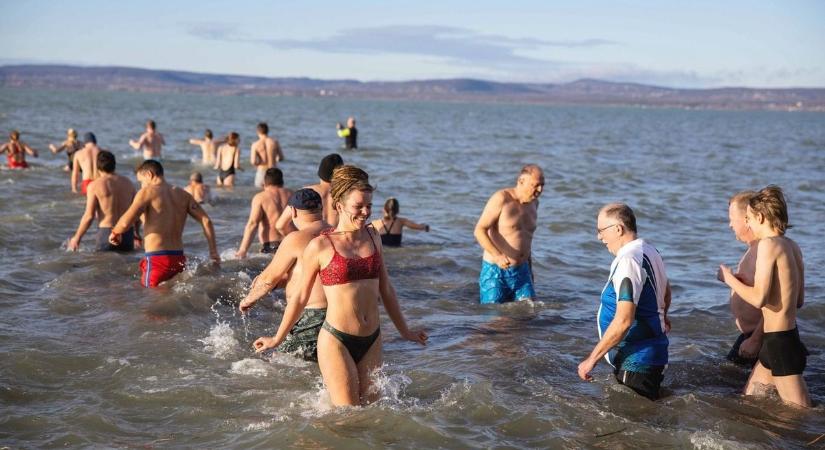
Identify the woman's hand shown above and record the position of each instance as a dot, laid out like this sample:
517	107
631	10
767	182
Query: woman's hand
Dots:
418	336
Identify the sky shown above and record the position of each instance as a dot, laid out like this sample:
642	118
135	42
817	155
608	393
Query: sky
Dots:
669	43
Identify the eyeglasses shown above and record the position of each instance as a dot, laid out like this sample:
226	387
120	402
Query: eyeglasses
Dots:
599	230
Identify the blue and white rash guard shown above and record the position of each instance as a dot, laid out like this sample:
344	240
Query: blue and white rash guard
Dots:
645	344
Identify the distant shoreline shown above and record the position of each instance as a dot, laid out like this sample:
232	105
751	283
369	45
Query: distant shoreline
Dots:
585	92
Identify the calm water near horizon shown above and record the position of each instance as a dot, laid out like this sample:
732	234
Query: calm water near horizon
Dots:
86	362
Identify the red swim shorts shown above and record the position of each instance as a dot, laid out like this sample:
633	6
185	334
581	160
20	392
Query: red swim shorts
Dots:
17	165
157	267
83	186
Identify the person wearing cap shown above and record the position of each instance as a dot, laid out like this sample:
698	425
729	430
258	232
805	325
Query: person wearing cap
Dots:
16	151
325	168
151	142
267	206
71	145
107	198
305	209
85	160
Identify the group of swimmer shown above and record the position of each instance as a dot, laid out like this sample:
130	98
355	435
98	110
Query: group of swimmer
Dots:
329	259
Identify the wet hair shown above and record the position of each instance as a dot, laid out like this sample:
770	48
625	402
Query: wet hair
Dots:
196	177
208	133
770	203
328	164
14	135
106	161
273	177
390	208
151	166
233	139
622	213
151	124
263	128
530	169
348	178
741	200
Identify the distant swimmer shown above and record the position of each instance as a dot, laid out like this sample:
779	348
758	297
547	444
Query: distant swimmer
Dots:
267	206
349	262
228	160
748	318
778	290
349	133
198	190
391	225
265	153
505	232
325	169
85	161
16	151
151	142
306	212
208	147
164	209
107	198
632	318
71	145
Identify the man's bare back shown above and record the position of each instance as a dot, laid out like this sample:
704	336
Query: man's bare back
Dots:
787	288
114	196
273	201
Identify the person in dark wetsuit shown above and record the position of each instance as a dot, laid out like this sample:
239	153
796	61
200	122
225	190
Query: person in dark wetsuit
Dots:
349	264
71	145
391	225
350	134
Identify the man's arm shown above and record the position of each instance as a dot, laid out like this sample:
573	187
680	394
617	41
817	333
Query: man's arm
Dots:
343	132
284	222
30	150
196	142
279	155
489	218
237	162
278	268
75	175
756	295
667	307
253	155
255	215
625	311
85	221
139	143
200	215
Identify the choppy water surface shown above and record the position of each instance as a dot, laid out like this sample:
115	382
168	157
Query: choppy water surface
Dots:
88	362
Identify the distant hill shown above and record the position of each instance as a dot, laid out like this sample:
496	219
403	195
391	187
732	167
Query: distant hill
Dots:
583	92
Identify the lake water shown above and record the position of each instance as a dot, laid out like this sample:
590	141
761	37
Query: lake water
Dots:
87	363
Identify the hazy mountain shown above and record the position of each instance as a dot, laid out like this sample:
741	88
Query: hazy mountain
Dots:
586	91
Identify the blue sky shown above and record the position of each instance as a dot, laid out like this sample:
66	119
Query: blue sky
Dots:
672	43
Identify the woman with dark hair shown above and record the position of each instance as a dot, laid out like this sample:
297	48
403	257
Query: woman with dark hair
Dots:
348	260
391	225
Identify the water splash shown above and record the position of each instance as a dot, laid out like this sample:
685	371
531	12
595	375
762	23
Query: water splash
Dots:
221	341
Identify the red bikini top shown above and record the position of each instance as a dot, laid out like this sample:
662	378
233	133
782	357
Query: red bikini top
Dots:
341	270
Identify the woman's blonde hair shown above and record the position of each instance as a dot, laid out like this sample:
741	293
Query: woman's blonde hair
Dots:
770	203
348	178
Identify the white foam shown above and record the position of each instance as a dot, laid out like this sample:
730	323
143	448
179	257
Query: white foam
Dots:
257	426
221	341
228	254
250	366
705	440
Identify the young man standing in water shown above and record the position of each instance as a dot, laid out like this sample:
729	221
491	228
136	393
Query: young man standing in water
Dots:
306	210
265	153
164	209
107	198
267	207
632	318
748	318
505	232
150	141
778	290
207	146
85	160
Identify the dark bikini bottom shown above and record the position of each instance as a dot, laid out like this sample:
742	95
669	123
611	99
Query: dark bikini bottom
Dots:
357	346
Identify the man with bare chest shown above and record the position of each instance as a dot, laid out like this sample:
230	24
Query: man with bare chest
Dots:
267	206
265	153
505	232
151	142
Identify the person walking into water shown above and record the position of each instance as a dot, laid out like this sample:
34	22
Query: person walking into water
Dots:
151	142
391	225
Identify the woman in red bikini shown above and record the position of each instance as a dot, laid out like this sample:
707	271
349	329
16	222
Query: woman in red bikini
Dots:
16	151
348	261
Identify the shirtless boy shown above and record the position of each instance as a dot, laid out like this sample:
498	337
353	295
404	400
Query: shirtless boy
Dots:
228	160
505	232
267	206
16	151
305	210
85	160
207	146
265	153
107	198
196	188
151	142
779	290
163	209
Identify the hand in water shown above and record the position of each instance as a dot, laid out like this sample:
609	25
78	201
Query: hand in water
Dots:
114	238
418	336
263	344
240	255
73	244
584	369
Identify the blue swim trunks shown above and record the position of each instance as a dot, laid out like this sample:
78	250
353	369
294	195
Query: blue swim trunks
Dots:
497	285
